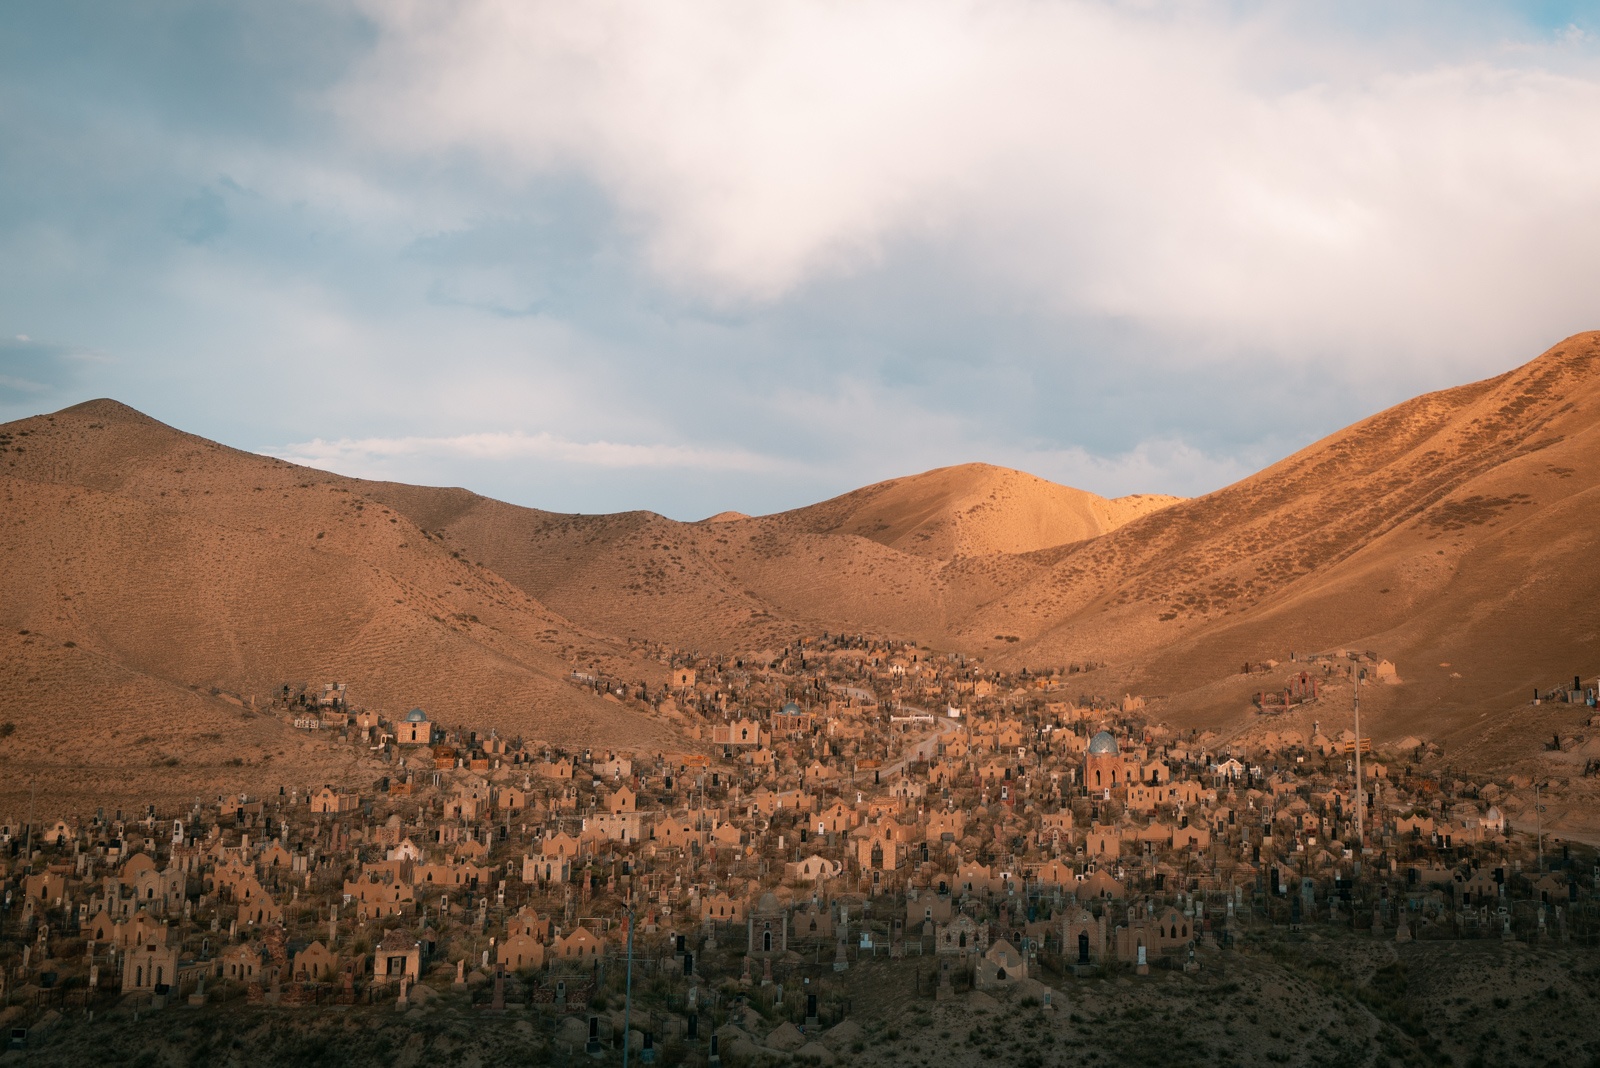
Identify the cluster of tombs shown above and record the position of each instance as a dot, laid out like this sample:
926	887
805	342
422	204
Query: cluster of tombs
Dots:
1309	676
837	799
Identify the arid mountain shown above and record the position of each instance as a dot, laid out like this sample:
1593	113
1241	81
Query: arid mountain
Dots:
1455	529
1455	534
970	510
153	582
913	556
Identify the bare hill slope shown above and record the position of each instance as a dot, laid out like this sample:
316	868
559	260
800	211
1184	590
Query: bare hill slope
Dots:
969	510
1458	528
157	567
911	556
1455	533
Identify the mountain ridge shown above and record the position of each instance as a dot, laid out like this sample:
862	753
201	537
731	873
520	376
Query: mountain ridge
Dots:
1451	529
139	561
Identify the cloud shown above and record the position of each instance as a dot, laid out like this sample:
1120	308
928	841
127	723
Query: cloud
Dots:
1132	247
1227	178
359	455
1158	465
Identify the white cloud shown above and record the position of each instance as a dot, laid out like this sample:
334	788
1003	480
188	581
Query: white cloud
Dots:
1158	465
929	232
364	455
858	433
1088	158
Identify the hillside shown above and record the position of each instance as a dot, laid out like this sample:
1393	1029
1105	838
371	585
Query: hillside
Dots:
910	556
1454	532
969	510
154	582
1453	529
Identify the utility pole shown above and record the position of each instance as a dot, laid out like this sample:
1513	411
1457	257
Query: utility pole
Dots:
627	997
1360	835
27	847
1538	817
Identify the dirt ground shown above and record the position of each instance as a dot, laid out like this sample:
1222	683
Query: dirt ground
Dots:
1345	1000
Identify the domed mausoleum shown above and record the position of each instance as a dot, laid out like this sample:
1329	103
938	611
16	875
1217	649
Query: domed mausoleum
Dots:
1102	765
415	729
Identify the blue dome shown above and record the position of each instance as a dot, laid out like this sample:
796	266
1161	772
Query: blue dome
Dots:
1103	743
416	715
790	709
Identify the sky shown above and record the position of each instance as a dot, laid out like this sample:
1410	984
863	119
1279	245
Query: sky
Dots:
709	255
